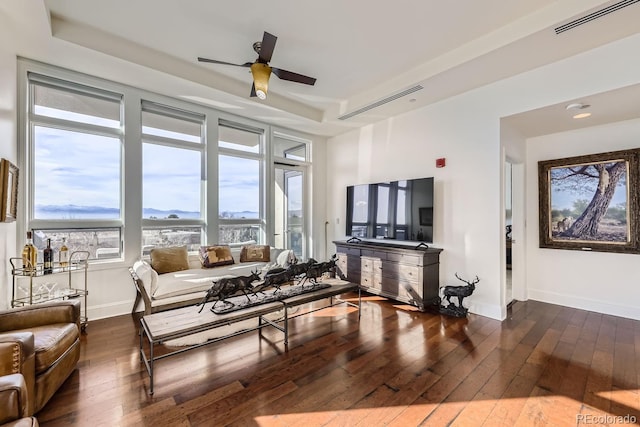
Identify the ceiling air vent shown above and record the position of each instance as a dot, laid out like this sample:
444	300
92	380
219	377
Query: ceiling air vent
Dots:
594	15
382	101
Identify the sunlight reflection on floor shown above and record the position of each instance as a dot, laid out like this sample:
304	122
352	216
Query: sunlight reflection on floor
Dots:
487	412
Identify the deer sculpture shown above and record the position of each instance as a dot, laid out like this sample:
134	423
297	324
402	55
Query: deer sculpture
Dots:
297	270
318	269
227	287
459	291
274	278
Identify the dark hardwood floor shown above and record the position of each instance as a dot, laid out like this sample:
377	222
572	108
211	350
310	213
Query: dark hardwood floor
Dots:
545	365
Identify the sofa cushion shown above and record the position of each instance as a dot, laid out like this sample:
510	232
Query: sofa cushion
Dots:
51	342
254	253
168	260
215	256
199	279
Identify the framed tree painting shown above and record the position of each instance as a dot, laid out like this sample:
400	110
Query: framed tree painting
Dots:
590	203
8	191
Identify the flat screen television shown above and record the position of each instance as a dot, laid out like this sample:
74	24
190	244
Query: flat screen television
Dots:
397	210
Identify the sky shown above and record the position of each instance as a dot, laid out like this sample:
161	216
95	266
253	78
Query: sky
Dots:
83	169
564	199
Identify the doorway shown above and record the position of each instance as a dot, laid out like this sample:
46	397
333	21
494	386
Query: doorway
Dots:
290	218
514	232
508	221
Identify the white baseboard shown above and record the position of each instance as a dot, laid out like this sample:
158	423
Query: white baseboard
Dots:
627	311
102	311
488	310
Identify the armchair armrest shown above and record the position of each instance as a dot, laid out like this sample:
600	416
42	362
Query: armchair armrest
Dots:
17	356
13	398
16	350
67	311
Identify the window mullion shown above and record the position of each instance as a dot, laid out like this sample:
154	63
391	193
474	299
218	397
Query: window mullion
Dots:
170	142
75	126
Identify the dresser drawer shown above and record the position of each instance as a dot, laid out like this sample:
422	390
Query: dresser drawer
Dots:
374	254
366	265
349	251
405	258
370	264
371	281
402	272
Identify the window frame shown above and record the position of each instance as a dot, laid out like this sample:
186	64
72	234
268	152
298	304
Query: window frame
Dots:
30	121
131	221
304	166
260	156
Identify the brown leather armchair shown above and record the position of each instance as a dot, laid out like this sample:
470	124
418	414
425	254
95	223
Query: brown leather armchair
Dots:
13	402
41	342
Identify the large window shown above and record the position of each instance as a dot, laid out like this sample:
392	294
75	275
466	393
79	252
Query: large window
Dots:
116	170
240	184
172	177
75	158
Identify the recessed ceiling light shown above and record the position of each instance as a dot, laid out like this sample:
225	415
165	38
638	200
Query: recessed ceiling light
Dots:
581	115
577	106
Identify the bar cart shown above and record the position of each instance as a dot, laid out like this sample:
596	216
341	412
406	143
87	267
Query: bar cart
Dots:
23	292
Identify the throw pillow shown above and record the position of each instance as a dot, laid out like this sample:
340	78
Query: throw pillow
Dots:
147	275
214	256
255	253
168	260
286	258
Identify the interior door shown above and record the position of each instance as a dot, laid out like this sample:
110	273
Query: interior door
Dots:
290	219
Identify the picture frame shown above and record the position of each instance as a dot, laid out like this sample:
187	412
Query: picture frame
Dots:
590	202
9	175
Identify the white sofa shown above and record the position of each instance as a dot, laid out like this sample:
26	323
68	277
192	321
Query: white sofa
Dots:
166	291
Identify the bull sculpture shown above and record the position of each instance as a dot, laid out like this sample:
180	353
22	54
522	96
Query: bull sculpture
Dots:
227	287
460	292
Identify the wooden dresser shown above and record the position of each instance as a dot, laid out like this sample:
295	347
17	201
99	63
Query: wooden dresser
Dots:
402	273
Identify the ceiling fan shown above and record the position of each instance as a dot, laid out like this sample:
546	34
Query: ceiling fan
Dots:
261	69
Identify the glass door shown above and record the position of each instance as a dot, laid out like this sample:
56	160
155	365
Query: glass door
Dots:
290	228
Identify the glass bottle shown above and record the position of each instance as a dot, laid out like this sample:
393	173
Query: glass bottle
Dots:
47	255
29	254
63	255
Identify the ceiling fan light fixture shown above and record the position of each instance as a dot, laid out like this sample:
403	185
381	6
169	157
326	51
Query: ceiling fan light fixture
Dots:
261	73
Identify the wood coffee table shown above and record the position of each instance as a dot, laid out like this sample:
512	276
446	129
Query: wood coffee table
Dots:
160	327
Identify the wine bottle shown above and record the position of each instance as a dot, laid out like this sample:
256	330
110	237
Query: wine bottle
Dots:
29	254
63	255
47	254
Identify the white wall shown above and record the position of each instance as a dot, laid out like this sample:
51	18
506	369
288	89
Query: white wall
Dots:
469	213
8	148
466	213
596	281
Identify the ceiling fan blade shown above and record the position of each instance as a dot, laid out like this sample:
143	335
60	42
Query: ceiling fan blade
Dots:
215	61
293	77
253	90
266	47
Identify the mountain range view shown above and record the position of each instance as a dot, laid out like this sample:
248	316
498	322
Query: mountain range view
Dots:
101	212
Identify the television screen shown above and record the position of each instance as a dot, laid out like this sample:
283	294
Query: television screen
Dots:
398	210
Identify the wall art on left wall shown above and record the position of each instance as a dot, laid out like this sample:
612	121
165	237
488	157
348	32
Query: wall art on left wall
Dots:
8	191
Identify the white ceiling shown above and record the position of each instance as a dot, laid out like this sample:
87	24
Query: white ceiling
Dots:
360	51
